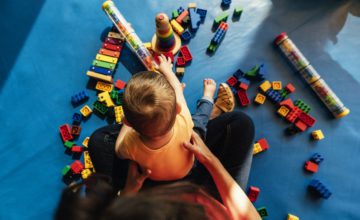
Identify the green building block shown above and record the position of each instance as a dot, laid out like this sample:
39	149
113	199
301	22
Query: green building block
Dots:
212	48
65	170
237	12
103	64
113	94
302	105
262	212
221	17
175	14
253	71
100	107
69	144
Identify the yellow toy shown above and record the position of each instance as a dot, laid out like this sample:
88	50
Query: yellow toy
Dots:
283	111
105	87
85	142
292	217
99	76
257	148
85	173
317	135
265	86
119	114
260	98
276	85
105	97
86	111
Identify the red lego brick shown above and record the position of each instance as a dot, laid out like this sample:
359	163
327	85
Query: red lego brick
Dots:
311	167
301	126
232	81
120	84
288	103
76	149
243	98
293	114
290	88
169	54
307	119
180	61
65	132
184	50
253	193
77	167
263	143
181	17
243	86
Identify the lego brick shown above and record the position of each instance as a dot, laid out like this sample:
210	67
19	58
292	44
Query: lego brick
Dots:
180	10
317	135
238	74
186	54
112	47
103	64
221	17
273	95
119	98
105	58
79	97
260	98
195	19
85	174
100	107
202	13
76	149
262	212
99	76
85	111
65	133
237	12
283	111
318	188
293	114
253	193
302	105
311	167
186	35
69	144
76	118
276	85
225	3
220	33
105	87
180	61
87	160
301	126
244	83
75	130
288	103
101	70
86	142
290	88
232	81
307	119
292	217
119	114
265	86
316	158
257	148
261	72
120	84
253	72
180	71
105	97
65	170
77	167
169	55
192	5
212	48
243	98
177	27
180	18
116	35
175	14
115	41
263	143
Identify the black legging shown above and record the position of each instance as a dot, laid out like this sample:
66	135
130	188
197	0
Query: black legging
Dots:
229	137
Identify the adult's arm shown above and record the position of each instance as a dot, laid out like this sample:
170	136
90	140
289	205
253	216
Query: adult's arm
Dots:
234	198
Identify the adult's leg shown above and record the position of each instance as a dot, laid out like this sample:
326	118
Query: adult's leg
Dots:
201	116
102	154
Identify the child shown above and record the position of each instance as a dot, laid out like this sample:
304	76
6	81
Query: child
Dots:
157	122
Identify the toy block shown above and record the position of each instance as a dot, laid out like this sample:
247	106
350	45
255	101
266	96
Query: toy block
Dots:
77	167
288	103
85	174
180	61
100	107
253	193
105	87
192	5
284	93
185	21
257	148
110	53
65	170
86	142
319	189
99	76
101	70
237	12
262	212
177	27
119	114
112	47
180	10
307	119
302	105
253	72
120	84
75	130
212	48
115	41
290	88
195	19
293	114
276	85
265	86
243	98
175	14
186	54
273	96
233	90
79	97
69	144
263	143
220	33
260	99
232	81
105	97
180	71
114	94
202	13
85	111
180	18
76	118
65	133
103	64
225	3
116	35
238	74
311	167
169	55
292	217
244	83
105	58
186	35
119	99
316	158
317	135
261	72
87	160
221	17
76	149
283	111
301	126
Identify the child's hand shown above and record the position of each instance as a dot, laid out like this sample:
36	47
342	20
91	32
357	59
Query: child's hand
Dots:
165	65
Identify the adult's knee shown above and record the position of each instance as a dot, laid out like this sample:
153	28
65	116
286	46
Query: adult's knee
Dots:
243	127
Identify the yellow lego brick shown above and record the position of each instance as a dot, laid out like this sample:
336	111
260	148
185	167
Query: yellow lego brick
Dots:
292	217
177	27
192	5
257	149
85	173
87	160
265	86
86	111
283	111
147	45
115	35
99	76
105	97
105	87
86	142
260	98
106	58
317	135
276	85
119	114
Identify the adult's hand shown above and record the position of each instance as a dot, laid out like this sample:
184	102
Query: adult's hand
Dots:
135	179
199	149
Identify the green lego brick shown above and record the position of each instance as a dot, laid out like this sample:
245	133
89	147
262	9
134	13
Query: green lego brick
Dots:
100	107
175	14
253	71
69	144
221	17
119	100
262	212
65	170
212	48
113	94
103	64
237	11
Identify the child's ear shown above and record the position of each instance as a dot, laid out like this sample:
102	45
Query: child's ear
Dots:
126	122
178	108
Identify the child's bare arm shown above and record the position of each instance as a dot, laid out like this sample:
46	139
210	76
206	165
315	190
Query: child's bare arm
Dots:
124	129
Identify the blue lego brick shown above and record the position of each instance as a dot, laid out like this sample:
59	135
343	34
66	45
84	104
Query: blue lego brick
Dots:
194	19
219	36
101	70
79	97
261	74
274	96
317	158
76	118
238	74
225	3
233	89
186	35
244	80
319	189
202	13
180	10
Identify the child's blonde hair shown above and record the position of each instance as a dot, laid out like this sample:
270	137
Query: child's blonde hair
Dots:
150	104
